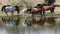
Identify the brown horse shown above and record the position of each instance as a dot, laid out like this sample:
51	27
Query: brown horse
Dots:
47	7
37	9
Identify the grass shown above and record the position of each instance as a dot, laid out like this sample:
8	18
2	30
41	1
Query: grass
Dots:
29	15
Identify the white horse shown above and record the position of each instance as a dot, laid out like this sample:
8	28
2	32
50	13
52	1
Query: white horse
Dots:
24	13
8	8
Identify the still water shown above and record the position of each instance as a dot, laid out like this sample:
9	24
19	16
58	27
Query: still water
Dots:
13	25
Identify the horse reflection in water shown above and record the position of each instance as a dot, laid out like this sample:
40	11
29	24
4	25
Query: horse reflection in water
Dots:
41	21
49	21
11	21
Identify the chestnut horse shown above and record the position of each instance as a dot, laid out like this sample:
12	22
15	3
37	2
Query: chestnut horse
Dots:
47	7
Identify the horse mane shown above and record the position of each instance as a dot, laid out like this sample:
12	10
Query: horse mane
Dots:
44	4
39	4
29	9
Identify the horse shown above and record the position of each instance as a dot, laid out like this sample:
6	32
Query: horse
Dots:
33	11
37	10
9	8
48	7
26	11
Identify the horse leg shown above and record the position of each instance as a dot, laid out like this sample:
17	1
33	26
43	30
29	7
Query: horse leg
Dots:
6	13
43	12
32	16
52	10
18	12
11	12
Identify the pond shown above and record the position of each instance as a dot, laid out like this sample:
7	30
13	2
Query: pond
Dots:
13	25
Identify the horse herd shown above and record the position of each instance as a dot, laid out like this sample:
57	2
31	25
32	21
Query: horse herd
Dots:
38	9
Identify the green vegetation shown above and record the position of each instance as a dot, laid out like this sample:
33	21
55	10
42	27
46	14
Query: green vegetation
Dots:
25	3
0	3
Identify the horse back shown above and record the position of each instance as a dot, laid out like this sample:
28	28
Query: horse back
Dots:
35	10
10	8
46	7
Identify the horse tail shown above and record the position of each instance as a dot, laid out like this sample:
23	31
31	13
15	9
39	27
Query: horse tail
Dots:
3	8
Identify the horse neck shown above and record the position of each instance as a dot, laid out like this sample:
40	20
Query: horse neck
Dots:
16	6
29	9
